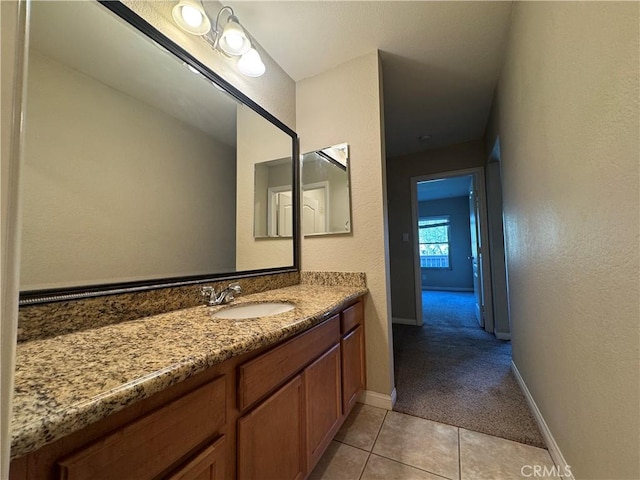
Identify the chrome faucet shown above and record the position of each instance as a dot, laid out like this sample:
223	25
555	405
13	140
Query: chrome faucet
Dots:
226	295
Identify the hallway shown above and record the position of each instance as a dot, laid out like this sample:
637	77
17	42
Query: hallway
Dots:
451	371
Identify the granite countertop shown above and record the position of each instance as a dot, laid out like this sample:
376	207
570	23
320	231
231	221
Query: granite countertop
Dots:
67	382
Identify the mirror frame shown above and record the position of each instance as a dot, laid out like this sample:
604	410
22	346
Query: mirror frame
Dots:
81	292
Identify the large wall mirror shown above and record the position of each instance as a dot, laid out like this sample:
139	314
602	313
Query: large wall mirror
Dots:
326	205
138	161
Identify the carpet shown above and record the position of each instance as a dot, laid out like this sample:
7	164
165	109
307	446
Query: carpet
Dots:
451	371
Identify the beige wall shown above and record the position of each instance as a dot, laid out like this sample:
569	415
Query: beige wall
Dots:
567	116
274	91
137	211
399	173
353	115
258	141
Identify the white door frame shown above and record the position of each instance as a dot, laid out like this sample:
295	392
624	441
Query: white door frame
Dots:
478	173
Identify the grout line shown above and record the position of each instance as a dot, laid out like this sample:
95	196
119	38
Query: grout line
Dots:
409	465
343	442
364	467
395	460
459	456
469	429
370	452
379	430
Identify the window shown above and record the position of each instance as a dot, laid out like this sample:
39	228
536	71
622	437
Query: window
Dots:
433	233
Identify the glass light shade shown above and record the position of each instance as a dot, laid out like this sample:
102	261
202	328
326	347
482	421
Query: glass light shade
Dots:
190	17
250	64
233	39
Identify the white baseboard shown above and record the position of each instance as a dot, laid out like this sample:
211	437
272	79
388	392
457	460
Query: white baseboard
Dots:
404	321
503	336
379	400
554	450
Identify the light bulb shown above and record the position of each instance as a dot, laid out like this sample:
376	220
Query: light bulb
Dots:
250	64
233	39
191	16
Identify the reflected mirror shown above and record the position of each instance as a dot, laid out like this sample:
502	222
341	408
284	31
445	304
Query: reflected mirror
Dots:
138	161
326	206
273	208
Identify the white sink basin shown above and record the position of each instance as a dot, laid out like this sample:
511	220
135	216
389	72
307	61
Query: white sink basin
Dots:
253	310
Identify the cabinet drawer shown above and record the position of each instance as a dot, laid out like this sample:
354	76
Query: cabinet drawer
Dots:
146	447
261	375
352	317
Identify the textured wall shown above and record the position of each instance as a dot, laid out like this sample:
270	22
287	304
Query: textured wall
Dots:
460	275
567	116
400	170
353	115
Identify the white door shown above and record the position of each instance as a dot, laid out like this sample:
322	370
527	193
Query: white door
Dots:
313	211
285	214
476	252
310	216
280	212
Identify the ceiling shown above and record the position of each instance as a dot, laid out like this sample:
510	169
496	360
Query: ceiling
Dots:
440	60
444	188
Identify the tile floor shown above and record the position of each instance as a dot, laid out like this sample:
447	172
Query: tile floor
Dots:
375	444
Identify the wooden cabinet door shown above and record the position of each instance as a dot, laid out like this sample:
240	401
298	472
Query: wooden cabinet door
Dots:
208	465
323	395
353	368
271	437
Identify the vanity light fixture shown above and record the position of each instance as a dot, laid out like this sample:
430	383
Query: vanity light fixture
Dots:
232	40
190	16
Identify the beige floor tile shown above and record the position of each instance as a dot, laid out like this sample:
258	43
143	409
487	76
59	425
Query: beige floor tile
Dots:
362	426
340	462
424	444
380	468
492	458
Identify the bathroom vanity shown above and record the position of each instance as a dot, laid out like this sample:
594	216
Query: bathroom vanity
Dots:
255	398
118	373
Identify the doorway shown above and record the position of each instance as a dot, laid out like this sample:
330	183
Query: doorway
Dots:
450	221
450	365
